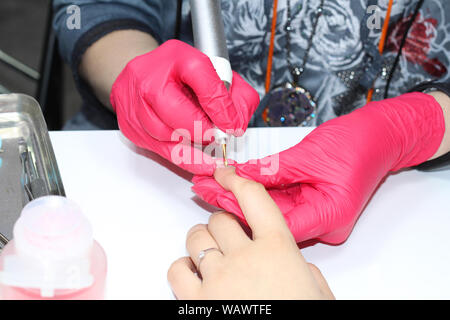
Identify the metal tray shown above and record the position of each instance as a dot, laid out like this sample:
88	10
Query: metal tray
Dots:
28	167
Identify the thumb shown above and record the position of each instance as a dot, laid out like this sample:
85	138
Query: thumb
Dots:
307	222
304	222
197	71
317	215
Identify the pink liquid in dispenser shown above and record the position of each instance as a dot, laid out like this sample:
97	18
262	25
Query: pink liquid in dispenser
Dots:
95	292
53	255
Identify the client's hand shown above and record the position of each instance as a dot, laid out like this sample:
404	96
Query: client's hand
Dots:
268	266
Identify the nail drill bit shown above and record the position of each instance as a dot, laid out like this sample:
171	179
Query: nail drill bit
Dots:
224	153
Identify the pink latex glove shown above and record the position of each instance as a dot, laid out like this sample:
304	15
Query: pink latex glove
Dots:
324	182
176	87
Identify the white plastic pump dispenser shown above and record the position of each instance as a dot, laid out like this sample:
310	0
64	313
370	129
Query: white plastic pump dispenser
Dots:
53	254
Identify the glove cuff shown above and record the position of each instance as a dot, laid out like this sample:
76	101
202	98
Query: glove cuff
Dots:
416	127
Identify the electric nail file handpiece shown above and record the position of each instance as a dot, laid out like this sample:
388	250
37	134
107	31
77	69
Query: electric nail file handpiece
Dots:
209	38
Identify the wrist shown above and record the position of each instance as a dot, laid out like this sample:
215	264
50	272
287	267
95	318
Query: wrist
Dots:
410	128
107	57
444	101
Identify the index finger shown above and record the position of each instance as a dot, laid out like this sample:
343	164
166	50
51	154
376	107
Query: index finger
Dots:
261	212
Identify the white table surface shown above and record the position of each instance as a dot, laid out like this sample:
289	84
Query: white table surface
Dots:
141	208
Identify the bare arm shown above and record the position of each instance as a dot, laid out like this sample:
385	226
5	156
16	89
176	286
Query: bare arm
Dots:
444	101
105	59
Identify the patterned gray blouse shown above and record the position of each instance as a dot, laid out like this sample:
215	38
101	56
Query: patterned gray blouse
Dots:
334	63
335	60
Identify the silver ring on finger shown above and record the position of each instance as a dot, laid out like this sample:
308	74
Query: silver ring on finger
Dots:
202	255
